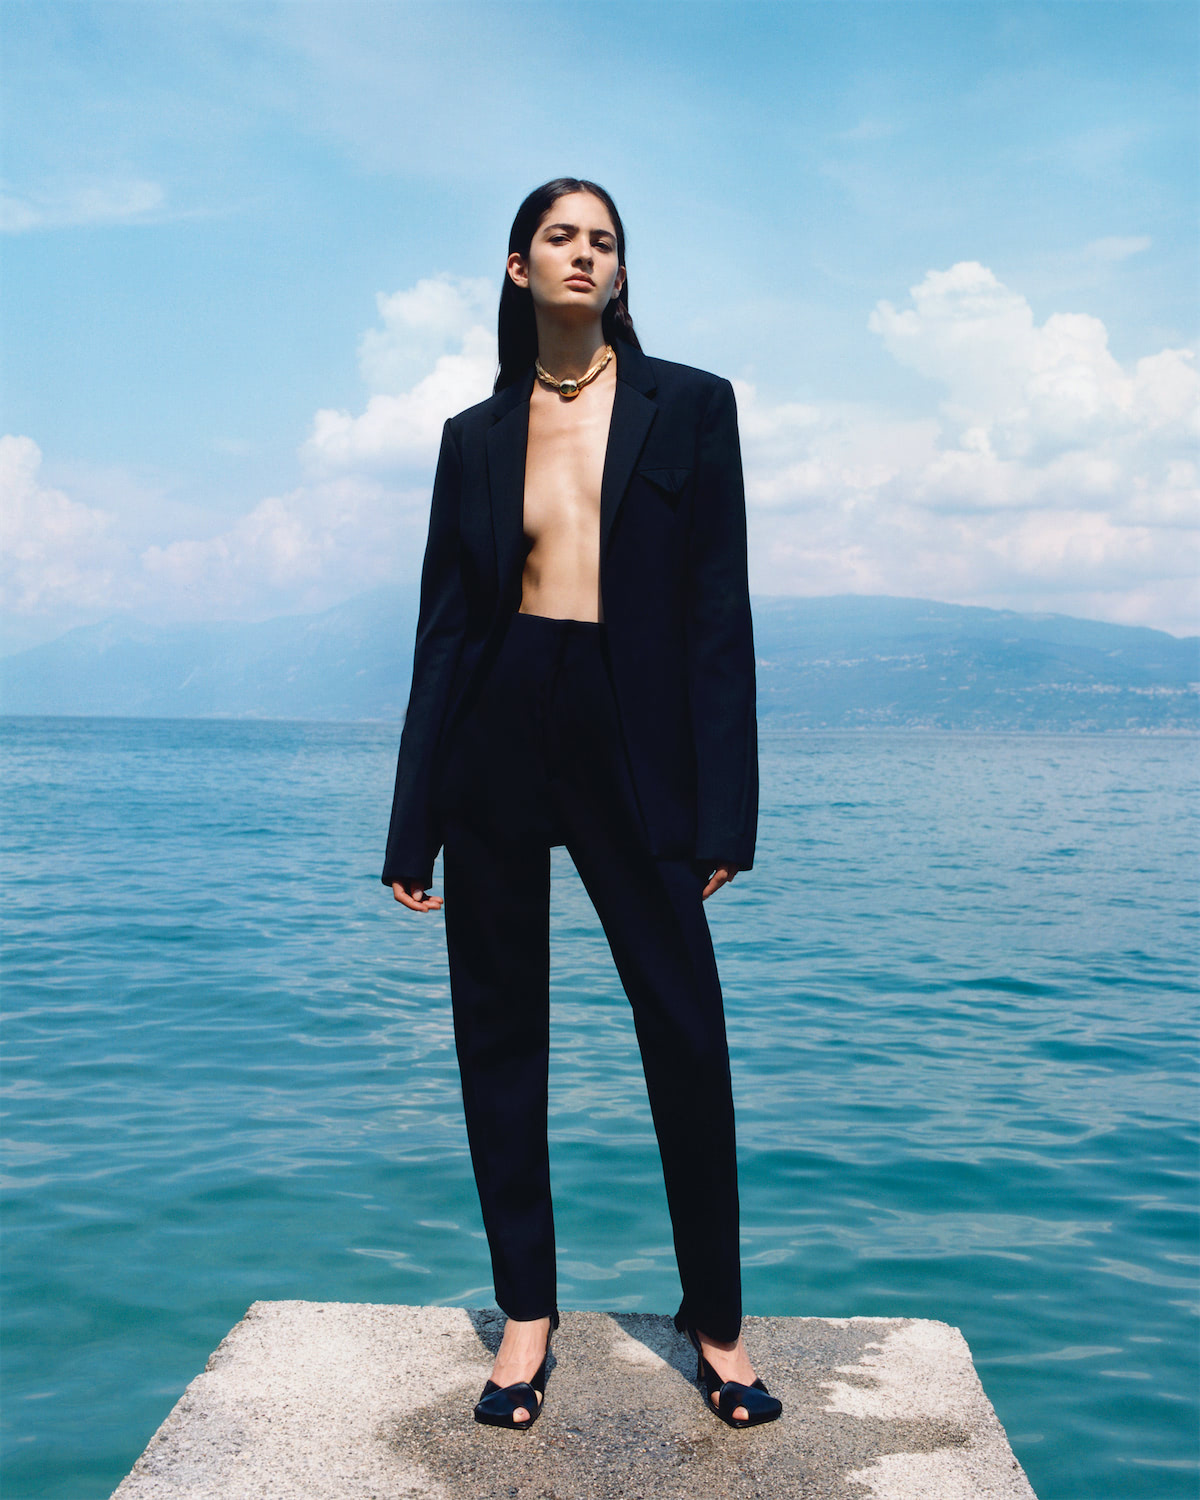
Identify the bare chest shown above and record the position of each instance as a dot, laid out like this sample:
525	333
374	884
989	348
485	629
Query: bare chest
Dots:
564	459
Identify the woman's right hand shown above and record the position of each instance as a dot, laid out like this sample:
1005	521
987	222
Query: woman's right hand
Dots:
412	893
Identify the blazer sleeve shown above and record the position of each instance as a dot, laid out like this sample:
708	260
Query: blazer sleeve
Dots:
721	645
413	837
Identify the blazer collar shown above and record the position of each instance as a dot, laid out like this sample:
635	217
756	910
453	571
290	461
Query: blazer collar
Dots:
635	369
508	437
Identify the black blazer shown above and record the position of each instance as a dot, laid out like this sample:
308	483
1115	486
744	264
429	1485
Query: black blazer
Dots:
675	600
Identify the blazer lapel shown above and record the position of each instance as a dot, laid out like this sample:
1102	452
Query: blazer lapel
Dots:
507	441
632	415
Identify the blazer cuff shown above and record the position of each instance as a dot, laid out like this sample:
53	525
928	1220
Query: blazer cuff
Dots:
743	860
405	868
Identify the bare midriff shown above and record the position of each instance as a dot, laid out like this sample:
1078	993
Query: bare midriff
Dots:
564	465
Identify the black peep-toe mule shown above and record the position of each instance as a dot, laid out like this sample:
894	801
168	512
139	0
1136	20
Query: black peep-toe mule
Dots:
498	1402
760	1405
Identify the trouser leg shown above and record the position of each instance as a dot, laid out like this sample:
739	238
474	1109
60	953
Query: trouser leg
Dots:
653	915
497	915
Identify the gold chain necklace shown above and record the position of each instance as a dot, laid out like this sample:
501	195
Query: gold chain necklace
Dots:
569	389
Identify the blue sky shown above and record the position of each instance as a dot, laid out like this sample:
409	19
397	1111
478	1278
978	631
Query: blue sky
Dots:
945	251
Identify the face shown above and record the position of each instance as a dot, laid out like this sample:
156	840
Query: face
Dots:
572	260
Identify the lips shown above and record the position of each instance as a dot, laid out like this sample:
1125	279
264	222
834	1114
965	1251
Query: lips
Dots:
580	281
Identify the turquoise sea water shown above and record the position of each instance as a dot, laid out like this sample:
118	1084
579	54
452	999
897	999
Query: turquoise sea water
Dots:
960	986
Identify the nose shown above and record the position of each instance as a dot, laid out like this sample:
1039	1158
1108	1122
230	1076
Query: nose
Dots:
584	259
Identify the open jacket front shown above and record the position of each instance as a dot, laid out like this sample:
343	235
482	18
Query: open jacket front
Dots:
675	601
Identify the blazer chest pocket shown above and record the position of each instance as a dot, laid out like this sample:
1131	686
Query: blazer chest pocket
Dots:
669	483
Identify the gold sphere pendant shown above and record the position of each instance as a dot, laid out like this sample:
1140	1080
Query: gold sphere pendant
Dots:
569	389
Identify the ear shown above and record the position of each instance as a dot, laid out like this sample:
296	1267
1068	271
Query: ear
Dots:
518	269
618	284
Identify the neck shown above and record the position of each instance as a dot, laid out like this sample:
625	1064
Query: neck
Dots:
569	352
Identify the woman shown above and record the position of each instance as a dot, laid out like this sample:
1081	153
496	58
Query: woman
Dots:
584	675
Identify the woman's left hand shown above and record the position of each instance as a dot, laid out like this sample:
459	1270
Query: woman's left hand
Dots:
722	875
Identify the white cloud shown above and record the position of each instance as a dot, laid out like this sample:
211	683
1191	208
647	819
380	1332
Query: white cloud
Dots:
96	201
1116	247
54	552
315	545
419	326
402	431
439	322
1031	389
306	549
1051	477
358	519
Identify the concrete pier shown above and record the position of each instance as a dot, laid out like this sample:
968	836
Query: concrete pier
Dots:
358	1401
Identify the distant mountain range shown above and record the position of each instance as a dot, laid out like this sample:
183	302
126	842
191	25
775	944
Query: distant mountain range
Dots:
850	661
845	661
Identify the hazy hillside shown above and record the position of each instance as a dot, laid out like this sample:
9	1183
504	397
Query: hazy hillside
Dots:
844	661
350	662
849	661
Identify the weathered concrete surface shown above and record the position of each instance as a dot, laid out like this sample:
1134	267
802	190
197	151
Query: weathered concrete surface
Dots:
357	1401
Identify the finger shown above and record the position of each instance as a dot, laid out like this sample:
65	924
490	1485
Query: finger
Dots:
417	900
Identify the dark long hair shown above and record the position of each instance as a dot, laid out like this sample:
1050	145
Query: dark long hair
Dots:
518	327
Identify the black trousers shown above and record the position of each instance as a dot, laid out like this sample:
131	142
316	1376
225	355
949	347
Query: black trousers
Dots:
536	761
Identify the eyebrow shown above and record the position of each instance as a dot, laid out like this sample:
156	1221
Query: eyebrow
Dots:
574	229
